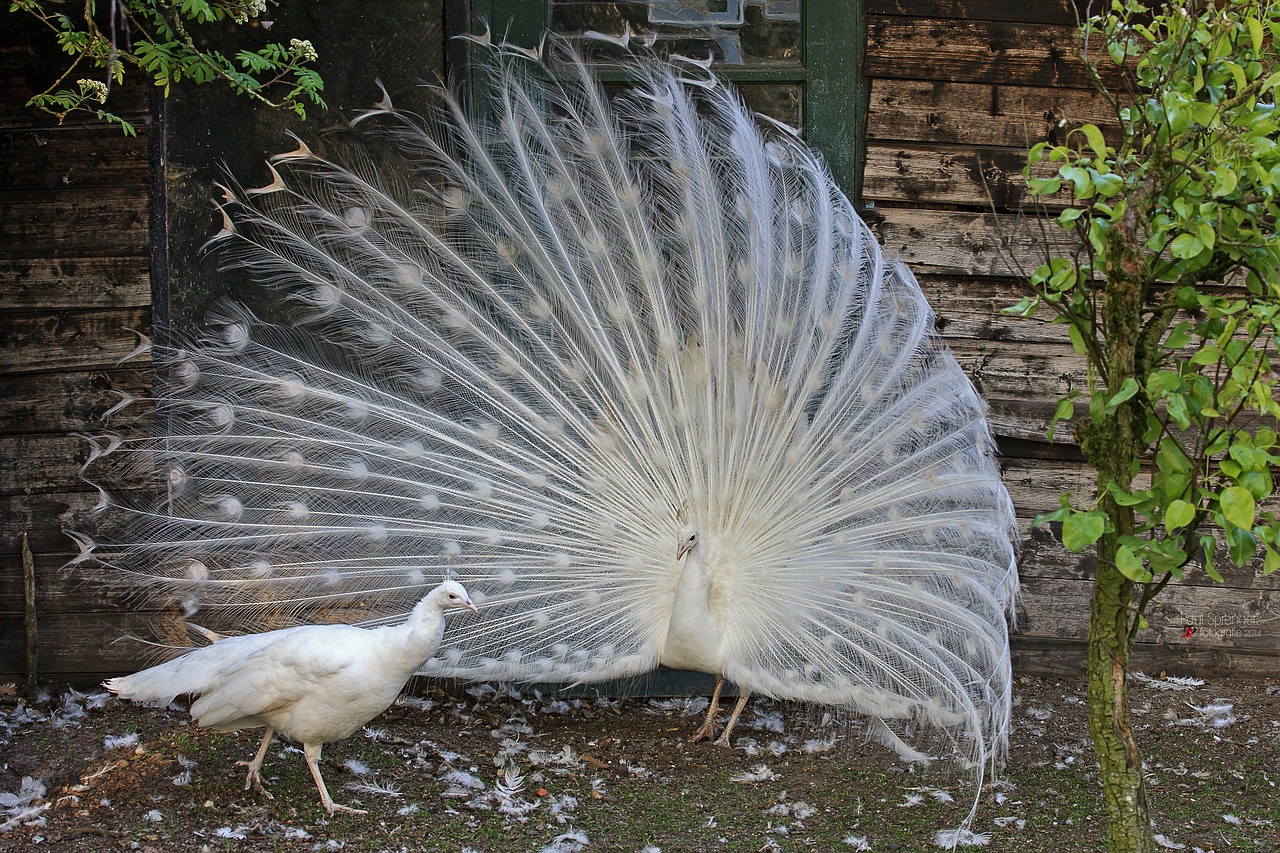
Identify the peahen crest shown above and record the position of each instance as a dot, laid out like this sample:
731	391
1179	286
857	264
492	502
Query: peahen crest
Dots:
538	350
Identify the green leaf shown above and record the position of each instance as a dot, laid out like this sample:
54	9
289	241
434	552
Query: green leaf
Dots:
1058	514
1178	411
1178	515
1127	389
1081	183
1130	565
1179	337
1209	546
1255	32
1077	339
1095	140
1242	545
1124	498
1082	529
1065	411
1270	561
1238	506
1024	307
1043	186
1186	246
1225	180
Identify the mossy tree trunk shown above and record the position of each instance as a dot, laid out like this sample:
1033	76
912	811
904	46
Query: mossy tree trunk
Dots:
1112	445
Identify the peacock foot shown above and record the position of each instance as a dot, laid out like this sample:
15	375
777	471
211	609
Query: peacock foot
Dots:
339	807
253	779
707	731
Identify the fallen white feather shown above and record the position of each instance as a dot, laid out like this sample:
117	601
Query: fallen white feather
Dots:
570	842
950	839
1168	682
759	773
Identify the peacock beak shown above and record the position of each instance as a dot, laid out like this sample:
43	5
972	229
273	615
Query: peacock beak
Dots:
681	550
471	606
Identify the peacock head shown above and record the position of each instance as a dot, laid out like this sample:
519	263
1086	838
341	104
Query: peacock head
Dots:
687	538
453	596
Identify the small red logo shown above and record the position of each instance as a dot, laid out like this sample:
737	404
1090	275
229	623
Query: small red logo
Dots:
1188	631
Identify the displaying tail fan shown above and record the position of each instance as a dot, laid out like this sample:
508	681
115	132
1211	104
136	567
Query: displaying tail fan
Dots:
629	368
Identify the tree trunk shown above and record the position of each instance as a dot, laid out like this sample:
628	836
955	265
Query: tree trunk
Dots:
1119	761
1113	448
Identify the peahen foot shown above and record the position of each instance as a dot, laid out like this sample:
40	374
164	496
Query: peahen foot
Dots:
253	779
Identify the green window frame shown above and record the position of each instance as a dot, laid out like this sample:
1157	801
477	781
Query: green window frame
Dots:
835	92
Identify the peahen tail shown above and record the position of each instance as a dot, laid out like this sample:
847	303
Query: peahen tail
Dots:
530	354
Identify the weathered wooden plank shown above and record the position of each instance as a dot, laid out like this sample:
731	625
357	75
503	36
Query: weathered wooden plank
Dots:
994	114
1034	484
1030	371
51	462
83	647
84	589
1223	617
65	402
979	178
70	158
974	51
39	462
74	222
69	340
972	307
962	242
1067	657
58	283
1052	12
1044	557
43	516
20	81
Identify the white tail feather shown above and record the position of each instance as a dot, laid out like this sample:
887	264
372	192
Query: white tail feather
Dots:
530	363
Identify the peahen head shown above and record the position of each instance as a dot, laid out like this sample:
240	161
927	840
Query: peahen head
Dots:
687	538
452	595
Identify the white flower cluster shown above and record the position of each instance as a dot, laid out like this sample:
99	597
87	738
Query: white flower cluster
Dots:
303	50
248	9
93	90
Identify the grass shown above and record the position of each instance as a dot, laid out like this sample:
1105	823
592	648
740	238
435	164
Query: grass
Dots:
636	785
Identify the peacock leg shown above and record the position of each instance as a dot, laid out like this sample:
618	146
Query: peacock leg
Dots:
311	751
733	718
708	728
254	777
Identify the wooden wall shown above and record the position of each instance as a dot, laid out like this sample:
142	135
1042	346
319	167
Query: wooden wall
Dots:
959	89
74	254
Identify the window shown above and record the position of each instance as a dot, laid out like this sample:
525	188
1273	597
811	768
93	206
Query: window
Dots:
796	61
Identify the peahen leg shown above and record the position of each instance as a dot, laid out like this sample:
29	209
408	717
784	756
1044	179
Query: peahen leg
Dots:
708	728
311	751
254	777
723	740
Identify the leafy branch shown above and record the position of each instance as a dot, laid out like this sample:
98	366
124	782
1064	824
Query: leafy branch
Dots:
158	37
1171	295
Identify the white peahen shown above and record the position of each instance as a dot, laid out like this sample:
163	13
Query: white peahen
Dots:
311	683
633	370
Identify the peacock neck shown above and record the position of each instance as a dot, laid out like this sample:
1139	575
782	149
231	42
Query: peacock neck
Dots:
411	642
693	635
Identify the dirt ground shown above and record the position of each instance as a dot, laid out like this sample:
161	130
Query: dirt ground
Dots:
496	771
